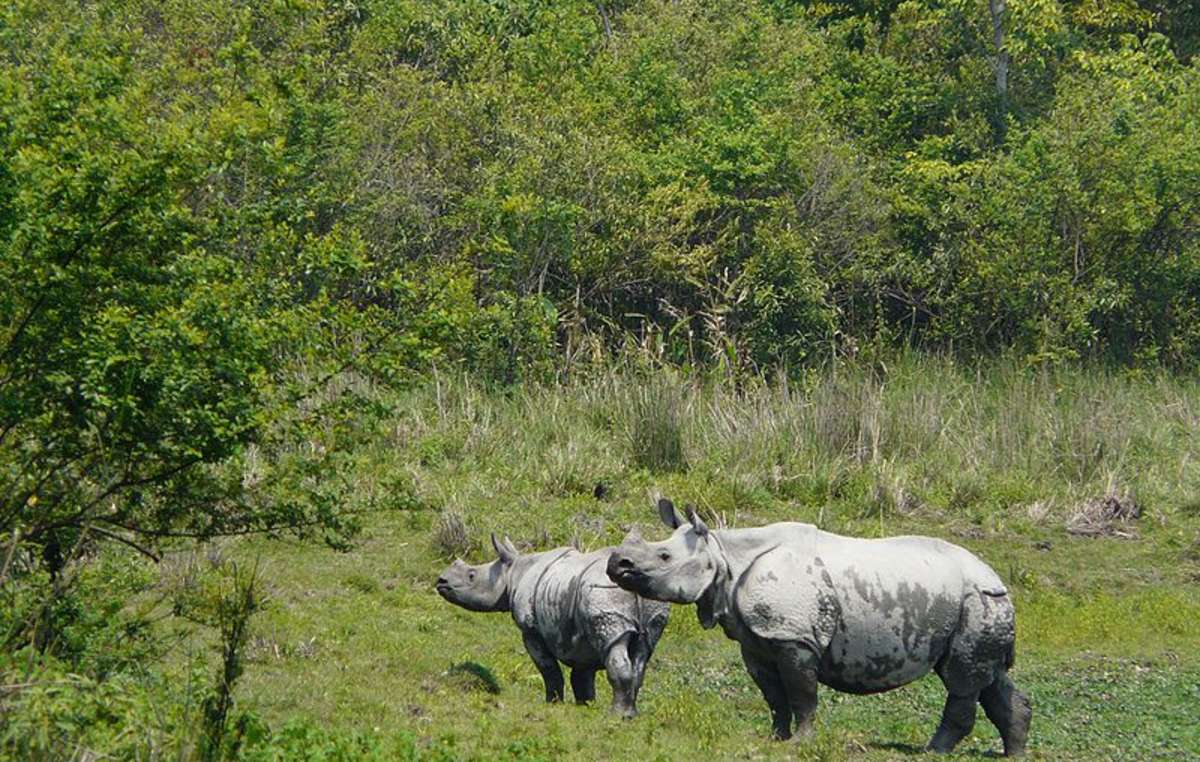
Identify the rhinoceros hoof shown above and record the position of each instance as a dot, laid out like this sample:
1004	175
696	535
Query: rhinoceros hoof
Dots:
804	732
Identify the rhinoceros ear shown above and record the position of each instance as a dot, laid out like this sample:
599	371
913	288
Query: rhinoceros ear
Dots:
668	514
505	550
697	523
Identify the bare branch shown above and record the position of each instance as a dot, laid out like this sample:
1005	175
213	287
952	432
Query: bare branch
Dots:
155	557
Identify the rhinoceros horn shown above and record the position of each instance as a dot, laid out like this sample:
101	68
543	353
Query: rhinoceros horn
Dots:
697	523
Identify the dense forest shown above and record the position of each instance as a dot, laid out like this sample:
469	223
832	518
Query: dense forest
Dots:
500	184
226	226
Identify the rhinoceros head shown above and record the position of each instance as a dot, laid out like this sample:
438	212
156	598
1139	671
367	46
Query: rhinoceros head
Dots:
483	587
679	569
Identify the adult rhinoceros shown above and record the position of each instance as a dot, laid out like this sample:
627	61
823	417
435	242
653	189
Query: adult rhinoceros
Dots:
568	611
859	616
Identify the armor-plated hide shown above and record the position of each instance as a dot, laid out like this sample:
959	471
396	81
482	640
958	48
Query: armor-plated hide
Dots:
877	613
568	600
858	615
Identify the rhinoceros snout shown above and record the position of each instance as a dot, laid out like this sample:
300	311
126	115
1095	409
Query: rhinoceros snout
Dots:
618	563
620	568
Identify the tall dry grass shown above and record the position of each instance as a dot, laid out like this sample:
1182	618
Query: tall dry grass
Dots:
925	435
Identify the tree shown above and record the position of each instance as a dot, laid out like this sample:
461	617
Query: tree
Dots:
139	354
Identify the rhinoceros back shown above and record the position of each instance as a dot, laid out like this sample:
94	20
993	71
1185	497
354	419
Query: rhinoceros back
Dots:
879	613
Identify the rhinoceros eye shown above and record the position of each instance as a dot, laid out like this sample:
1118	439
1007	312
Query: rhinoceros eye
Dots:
470	576
664	555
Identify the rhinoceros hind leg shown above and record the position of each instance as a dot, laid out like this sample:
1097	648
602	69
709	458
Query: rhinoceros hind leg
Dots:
769	681
544	660
976	663
583	684
622	677
958	717
798	670
1009	710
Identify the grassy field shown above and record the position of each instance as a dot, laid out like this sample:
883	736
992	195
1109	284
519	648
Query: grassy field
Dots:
1011	463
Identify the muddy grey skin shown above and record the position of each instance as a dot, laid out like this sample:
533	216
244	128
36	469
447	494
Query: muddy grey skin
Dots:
568	611
860	616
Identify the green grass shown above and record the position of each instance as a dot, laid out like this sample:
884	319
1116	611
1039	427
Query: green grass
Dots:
997	460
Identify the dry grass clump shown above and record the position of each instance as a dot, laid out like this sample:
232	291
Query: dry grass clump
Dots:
1039	510
889	496
655	412
1109	516
451	537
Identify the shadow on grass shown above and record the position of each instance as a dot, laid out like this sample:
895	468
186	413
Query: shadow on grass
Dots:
914	750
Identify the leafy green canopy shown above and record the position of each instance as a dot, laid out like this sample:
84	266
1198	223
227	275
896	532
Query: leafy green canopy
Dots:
209	208
141	348
132	350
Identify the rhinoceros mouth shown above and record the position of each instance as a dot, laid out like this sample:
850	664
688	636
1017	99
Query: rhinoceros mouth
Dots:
628	578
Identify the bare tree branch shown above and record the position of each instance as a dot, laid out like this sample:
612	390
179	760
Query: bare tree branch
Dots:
155	557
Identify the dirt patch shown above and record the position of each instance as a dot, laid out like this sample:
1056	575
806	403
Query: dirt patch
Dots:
1110	516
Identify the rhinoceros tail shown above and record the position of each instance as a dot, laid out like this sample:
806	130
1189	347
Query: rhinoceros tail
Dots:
998	593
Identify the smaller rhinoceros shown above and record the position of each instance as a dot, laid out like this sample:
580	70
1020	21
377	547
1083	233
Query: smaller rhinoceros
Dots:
567	610
861	616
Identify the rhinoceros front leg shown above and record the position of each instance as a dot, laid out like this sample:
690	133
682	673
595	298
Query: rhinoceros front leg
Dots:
766	677
798	671
583	684
622	677
544	660
640	651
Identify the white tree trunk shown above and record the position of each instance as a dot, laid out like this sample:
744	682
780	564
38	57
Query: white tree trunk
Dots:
997	8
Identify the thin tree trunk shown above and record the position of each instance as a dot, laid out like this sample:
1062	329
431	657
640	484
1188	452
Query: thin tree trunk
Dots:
997	9
607	24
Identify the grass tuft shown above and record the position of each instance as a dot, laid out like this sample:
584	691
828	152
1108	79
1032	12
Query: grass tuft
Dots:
654	414
1111	516
474	676
451	537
